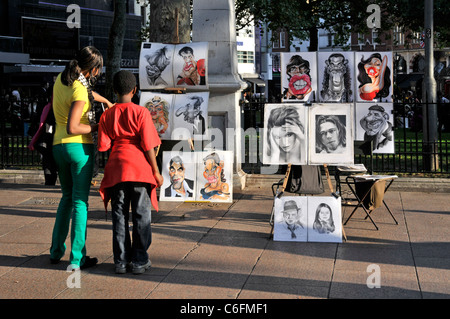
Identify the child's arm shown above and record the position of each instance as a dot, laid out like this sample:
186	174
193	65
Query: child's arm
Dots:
151	158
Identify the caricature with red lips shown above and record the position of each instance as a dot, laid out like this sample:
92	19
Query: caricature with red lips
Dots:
374	76
299	80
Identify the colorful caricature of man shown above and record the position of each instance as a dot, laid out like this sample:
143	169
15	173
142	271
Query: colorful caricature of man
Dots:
189	74
159	109
215	188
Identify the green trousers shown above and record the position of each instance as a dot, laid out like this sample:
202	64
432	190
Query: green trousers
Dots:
75	166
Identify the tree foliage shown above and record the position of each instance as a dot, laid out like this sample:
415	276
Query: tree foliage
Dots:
302	18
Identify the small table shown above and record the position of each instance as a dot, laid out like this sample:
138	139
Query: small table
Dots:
369	192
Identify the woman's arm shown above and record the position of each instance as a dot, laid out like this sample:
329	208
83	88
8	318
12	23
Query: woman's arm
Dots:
101	99
74	127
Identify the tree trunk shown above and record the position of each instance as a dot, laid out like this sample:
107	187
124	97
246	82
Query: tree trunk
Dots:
313	39
115	45
163	17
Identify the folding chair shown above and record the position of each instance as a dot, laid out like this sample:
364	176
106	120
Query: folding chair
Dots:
369	191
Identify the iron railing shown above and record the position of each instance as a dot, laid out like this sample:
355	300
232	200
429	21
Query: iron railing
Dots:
412	153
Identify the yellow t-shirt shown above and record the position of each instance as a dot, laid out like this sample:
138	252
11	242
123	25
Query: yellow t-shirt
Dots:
63	97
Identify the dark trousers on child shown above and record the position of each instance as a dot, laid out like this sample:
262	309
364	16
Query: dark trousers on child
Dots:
133	249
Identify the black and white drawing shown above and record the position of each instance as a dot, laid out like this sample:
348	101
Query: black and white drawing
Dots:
190	115
331	134
298	76
374	122
179	172
324	219
336	76
290	218
155	66
286	127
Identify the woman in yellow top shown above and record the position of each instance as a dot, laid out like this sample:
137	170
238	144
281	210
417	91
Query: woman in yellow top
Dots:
73	150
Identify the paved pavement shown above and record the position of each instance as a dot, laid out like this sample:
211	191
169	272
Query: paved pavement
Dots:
225	251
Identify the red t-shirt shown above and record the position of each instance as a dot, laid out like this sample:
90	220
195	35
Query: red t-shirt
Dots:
127	128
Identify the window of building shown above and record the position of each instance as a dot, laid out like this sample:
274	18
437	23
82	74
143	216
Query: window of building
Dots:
246	57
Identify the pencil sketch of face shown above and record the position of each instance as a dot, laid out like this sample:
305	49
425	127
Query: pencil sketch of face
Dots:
157	63
330	134
285	134
377	127
323	222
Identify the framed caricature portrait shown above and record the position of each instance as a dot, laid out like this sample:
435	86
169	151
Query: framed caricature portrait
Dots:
190	115
331	134
190	65
324	219
155	66
286	128
298	76
374	122
178	171
290	218
161	108
215	176
374	75
335	76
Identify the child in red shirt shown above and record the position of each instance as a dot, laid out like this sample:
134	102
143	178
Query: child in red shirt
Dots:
131	174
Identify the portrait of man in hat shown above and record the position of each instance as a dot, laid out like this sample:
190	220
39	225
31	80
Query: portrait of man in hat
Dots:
377	127
291	216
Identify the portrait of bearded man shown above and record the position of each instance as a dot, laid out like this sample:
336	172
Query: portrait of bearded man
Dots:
336	78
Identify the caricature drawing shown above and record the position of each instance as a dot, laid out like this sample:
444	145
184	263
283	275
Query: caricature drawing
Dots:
159	110
216	187
377	127
192	114
374	77
189	75
336	84
157	63
298	71
180	186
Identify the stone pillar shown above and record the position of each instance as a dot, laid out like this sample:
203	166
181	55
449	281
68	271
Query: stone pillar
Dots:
214	22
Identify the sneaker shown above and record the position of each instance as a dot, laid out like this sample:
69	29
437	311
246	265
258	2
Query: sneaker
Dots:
89	262
122	268
140	269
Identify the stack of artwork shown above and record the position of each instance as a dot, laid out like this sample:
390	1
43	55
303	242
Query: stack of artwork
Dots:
177	116
164	66
307	218
361	81
197	176
173	65
301	135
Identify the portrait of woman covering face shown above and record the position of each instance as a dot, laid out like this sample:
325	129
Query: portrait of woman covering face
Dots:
374	76
285	134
